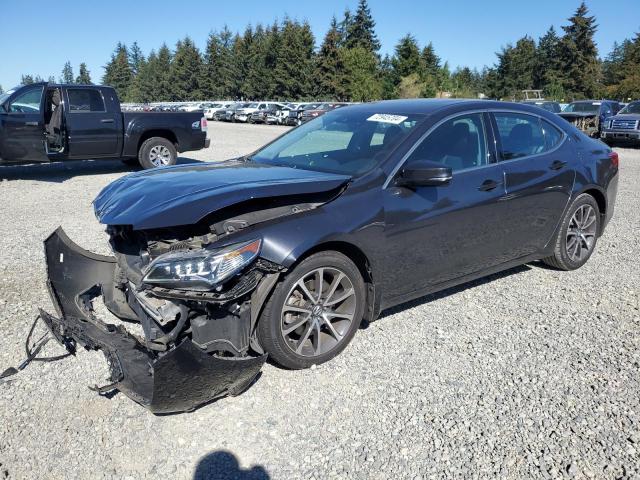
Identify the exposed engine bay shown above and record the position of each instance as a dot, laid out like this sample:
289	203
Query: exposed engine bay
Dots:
589	124
196	296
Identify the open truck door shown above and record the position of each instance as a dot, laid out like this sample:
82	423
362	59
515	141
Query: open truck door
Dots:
22	129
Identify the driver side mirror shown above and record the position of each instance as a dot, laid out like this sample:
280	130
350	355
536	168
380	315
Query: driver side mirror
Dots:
424	173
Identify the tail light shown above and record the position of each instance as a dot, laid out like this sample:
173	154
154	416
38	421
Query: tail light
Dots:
203	124
615	160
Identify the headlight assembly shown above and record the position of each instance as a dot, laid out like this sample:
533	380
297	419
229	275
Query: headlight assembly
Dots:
201	269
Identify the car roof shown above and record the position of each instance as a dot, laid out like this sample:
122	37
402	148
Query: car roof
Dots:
430	105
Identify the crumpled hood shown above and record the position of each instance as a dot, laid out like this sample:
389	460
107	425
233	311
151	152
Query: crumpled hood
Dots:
183	195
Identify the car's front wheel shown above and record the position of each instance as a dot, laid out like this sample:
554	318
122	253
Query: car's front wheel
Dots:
314	312
578	234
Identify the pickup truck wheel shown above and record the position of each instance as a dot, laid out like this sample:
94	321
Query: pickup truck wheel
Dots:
157	152
314	312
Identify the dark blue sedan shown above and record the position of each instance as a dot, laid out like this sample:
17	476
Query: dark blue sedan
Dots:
286	251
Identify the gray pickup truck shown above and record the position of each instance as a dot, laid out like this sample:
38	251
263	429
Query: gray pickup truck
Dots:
50	122
623	128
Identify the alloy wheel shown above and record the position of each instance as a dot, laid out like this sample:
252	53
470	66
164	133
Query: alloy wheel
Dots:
581	233
160	155
318	312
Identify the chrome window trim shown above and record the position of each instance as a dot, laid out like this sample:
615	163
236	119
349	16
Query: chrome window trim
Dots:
546	152
490	111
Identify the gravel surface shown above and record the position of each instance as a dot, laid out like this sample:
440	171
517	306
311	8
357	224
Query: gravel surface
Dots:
532	373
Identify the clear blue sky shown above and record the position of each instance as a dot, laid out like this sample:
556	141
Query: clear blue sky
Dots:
38	37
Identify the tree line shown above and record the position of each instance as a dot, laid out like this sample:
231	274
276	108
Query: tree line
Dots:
281	62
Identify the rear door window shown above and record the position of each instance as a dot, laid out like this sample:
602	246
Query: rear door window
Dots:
552	135
521	135
85	100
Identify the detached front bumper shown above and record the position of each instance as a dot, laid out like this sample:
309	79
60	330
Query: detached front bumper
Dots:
177	380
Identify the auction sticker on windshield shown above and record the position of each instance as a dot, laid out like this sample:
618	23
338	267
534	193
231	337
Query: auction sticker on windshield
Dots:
387	118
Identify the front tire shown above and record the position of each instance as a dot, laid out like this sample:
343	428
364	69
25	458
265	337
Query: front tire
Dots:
157	152
314	312
578	234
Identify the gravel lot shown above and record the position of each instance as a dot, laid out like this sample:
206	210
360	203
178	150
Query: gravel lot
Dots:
533	373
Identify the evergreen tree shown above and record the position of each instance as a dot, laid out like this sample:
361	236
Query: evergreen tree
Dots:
361	75
629	87
241	54
515	69
430	61
185	71
614	63
295	62
549	73
143	87
210	83
329	70
257	79
51	79
1	90
387	79
67	73
344	27
162	75
226	70
579	55
406	60
117	73
84	78
136	58
26	80
361	29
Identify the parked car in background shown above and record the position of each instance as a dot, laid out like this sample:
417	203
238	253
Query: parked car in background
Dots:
67	122
589	115
210	113
266	115
623	128
295	114
284	252
229	115
311	113
548	105
196	107
244	114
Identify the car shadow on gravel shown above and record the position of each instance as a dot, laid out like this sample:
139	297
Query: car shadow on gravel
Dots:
58	172
222	464
453	290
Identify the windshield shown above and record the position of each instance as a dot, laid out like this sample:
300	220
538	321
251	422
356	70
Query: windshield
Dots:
311	106
342	141
253	105
583	107
631	108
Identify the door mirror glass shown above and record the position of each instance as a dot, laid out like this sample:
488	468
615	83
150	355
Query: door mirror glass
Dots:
424	173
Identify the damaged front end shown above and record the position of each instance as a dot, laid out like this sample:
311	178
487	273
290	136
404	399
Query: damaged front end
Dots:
196	344
587	123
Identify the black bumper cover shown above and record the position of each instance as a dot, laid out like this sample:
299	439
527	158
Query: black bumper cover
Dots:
174	381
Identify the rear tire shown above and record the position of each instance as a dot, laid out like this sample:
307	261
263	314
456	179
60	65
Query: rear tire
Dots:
578	234
157	152
314	312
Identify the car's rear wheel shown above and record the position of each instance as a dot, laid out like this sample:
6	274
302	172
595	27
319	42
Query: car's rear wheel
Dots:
314	312
578	234
157	152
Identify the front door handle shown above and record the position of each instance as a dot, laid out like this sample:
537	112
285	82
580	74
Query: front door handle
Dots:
107	120
489	185
557	165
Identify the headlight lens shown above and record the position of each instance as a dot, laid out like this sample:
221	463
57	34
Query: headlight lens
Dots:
201	269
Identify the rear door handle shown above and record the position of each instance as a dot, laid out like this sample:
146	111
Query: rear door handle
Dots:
107	120
489	185
557	165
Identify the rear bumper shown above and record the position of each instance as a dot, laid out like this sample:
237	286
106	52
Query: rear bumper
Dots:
177	380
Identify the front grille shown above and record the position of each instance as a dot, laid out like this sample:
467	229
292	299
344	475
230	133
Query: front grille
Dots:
624	124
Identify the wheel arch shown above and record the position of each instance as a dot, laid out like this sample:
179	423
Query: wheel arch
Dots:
162	133
362	262
601	199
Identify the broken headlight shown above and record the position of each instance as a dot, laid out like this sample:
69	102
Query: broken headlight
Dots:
201	269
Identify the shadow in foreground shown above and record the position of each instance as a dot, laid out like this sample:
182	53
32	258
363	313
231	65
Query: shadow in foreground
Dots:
221	464
58	172
450	291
